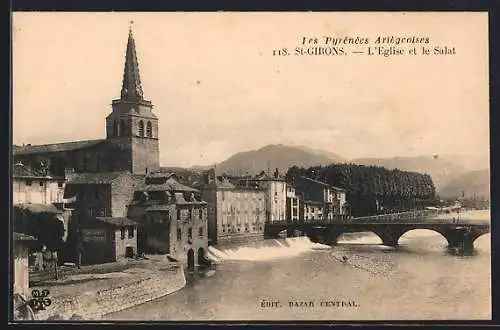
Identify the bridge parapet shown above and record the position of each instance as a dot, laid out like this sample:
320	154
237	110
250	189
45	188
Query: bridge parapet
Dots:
410	216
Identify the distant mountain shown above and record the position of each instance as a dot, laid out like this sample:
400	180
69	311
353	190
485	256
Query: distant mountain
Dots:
271	157
440	170
322	152
471	162
443	169
475	183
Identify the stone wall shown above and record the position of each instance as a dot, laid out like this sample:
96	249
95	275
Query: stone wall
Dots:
145	155
94	305
238	240
21	279
122	192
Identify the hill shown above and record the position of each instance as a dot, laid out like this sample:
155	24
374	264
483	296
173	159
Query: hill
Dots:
270	157
469	185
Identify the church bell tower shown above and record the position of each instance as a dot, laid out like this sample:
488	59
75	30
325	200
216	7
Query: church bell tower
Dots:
132	126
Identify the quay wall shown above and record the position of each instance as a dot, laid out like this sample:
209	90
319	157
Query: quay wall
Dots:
94	305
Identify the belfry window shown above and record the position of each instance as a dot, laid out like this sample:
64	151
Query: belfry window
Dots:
149	130
141	128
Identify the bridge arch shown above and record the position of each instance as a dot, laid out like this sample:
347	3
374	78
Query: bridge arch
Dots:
478	236
360	237
430	231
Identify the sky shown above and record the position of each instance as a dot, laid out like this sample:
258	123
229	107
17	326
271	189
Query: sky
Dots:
218	90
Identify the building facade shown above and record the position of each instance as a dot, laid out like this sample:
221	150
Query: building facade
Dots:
235	212
36	187
293	203
108	239
321	201
275	188
172	219
100	202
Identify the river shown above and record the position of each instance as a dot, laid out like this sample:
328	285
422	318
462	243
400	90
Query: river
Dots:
418	280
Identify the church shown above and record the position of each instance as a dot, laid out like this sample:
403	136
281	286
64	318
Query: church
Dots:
101	176
131	142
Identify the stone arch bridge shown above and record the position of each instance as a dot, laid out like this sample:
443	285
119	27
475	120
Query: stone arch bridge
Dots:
459	234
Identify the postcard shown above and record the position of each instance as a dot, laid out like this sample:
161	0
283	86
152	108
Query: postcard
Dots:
250	166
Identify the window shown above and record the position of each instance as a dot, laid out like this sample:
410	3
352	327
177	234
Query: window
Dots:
131	232
41	183
28	182
115	128
149	130
141	128
190	214
201	214
60	184
101	212
190	233
178	214
123	128
179	234
200	231
122	232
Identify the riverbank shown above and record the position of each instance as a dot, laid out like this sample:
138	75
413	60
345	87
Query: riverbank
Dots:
92	296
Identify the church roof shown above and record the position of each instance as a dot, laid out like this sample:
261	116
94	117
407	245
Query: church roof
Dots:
55	147
131	87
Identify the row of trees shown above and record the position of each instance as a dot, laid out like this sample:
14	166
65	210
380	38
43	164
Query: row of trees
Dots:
373	189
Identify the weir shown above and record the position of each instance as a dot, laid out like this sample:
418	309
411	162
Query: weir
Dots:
266	250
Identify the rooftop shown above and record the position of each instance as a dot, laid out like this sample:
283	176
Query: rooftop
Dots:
22	237
322	183
117	222
38	208
169	184
21	170
54	147
94	178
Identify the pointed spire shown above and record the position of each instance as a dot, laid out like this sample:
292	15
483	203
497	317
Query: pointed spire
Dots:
131	87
